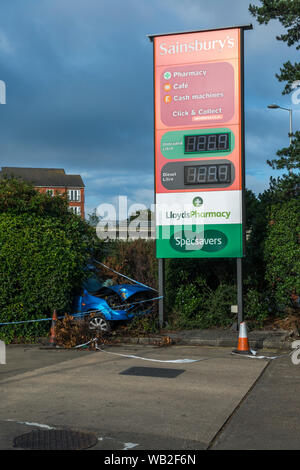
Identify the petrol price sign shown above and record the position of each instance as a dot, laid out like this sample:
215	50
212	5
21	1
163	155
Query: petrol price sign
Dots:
199	143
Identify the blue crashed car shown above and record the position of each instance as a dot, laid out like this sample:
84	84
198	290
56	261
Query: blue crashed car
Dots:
105	304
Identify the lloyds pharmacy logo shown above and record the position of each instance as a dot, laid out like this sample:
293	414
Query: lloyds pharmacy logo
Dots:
197	201
2	92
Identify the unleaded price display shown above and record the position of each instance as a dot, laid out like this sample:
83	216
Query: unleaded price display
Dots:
205	174
206	143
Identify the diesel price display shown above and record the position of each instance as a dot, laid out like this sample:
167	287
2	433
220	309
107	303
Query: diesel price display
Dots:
206	174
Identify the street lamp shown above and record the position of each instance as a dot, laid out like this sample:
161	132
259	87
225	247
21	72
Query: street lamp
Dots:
275	106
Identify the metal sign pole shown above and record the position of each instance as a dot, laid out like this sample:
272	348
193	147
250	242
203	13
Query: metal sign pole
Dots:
240	299
161	290
239	261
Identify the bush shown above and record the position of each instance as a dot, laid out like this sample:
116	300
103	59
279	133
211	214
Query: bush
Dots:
143	325
282	252
42	262
19	197
199	306
135	259
71	333
257	308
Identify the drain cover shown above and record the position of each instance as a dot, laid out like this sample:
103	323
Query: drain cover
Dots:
153	372
55	439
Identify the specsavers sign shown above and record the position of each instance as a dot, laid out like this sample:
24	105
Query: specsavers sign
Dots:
198	144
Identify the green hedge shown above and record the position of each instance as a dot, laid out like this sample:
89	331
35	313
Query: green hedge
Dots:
41	266
282	253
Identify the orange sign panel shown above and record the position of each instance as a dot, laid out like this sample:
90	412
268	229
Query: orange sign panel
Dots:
197	87
199	143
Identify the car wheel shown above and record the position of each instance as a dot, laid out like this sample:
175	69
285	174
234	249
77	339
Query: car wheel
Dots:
99	323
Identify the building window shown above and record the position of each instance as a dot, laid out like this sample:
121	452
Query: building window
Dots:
75	209
74	195
50	192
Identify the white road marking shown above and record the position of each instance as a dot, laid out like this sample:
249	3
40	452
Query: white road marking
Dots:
129	445
44	426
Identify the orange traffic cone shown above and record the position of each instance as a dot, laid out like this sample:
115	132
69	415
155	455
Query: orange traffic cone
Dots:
243	344
52	341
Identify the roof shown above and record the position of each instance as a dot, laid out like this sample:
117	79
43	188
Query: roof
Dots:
44	177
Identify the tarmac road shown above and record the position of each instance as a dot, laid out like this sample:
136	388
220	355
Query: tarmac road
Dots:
222	401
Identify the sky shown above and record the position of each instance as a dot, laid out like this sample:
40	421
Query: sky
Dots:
79	81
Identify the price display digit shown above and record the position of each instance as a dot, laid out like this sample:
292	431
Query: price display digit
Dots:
207	174
206	143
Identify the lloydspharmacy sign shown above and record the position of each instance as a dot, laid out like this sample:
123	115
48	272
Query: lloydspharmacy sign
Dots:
200	226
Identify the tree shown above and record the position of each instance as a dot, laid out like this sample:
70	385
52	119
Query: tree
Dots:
280	190
282	253
287	12
18	197
289	157
93	219
280	203
44	250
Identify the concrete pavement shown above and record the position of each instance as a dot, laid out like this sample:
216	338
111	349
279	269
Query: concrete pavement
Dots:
268	418
86	391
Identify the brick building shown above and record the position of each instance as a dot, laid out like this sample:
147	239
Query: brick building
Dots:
53	181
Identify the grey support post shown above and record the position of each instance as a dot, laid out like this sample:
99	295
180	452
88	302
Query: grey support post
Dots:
240	290
161	290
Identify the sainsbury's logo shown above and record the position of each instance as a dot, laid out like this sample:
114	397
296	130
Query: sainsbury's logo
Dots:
197	46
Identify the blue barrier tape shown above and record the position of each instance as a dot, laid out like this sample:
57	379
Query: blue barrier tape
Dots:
136	303
46	319
25	321
78	315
